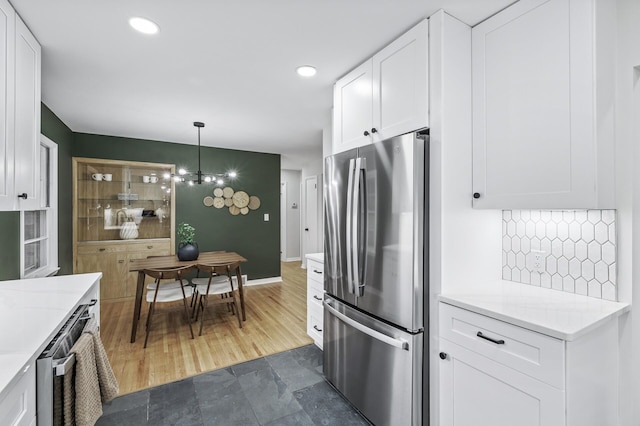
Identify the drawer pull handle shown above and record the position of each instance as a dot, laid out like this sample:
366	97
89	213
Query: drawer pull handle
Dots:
149	247
482	336
102	249
315	296
317	272
93	302
120	261
443	355
315	327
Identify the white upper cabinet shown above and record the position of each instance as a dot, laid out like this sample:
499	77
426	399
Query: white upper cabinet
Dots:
7	45
385	96
353	109
542	106
27	119
19	113
401	84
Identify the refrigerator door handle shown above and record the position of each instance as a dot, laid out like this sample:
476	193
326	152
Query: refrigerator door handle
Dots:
398	343
349	224
355	201
361	228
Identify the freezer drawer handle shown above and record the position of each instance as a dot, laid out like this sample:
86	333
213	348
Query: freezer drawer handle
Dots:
315	296
317	272
482	336
315	327
398	343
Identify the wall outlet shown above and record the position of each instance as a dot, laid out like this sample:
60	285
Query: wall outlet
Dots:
537	260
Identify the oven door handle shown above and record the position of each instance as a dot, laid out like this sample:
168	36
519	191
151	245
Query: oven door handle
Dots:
61	366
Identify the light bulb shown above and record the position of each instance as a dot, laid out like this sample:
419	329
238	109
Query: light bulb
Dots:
166	175
182	172
177	179
220	182
190	183
207	178
306	71
232	174
143	25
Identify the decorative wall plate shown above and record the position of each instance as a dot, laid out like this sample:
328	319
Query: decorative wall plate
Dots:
208	201
234	210
228	202
244	210
254	202
240	199
218	202
227	192
218	192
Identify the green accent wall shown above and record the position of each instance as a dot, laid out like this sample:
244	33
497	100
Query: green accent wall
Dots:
216	229
10	251
53	128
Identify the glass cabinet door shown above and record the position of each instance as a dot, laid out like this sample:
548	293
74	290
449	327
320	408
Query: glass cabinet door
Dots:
122	200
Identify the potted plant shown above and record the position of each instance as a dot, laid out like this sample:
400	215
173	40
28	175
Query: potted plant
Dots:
187	247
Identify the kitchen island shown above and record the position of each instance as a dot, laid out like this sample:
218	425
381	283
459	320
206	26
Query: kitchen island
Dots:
32	311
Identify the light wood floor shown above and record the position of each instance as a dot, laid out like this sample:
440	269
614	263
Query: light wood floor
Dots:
276	321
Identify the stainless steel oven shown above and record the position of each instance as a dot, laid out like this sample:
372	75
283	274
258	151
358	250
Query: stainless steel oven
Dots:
53	364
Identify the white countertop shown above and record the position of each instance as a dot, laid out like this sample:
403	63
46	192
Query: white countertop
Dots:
32	311
318	257
555	313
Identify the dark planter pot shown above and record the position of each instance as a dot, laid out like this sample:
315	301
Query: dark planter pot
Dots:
188	251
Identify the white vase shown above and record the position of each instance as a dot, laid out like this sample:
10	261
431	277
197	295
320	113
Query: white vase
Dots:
129	231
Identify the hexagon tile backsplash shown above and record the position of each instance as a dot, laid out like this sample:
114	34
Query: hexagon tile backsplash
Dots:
579	250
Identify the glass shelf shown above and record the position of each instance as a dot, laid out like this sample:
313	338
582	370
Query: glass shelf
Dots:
126	192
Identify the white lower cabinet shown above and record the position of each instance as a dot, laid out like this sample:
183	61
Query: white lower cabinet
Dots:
478	391
493	373
18	408
315	295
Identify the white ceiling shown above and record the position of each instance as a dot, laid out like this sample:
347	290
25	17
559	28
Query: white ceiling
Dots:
230	64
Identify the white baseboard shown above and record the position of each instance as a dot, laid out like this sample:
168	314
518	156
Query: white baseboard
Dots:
293	259
261	281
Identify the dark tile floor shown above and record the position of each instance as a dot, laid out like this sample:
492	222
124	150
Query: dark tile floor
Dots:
282	389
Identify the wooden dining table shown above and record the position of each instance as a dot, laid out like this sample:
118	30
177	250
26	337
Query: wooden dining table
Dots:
222	258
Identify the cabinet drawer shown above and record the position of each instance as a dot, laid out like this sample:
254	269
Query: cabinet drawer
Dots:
315	293
19	406
531	353
315	323
315	271
149	248
100	248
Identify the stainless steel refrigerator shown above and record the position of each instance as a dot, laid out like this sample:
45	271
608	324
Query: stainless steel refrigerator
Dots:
375	278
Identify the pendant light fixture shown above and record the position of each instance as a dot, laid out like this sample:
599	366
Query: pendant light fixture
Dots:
200	177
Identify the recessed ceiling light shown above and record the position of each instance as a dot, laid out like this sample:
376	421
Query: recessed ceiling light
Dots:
143	25
306	71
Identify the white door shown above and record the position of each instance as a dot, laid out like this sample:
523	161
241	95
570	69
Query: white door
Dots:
27	118
476	391
352	109
533	106
310	225
401	85
283	221
7	44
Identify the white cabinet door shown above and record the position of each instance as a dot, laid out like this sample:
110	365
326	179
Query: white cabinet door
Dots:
27	117
7	37
400	84
534	125
475	391
352	109
18	407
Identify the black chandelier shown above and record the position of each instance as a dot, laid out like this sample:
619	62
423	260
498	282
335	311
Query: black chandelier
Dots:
199	177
